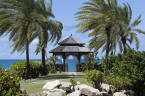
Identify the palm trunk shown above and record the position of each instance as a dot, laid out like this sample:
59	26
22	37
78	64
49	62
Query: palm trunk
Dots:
27	58
123	39
124	45
112	53
43	61
108	29
27	52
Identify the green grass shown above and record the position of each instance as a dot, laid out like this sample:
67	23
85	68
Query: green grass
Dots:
35	85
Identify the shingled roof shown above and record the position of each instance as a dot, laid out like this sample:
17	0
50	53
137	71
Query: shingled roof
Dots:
70	49
71	44
71	40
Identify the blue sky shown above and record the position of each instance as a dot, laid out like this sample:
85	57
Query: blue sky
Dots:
64	11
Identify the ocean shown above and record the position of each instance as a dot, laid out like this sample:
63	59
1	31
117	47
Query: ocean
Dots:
6	63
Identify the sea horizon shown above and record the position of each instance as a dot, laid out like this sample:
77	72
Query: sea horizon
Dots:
6	63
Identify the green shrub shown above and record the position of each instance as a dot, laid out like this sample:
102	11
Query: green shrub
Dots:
90	63
130	65
51	68
20	69
52	64
88	66
73	82
35	69
63	94
9	84
117	82
95	78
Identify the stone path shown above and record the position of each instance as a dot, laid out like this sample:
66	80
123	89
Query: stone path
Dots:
72	73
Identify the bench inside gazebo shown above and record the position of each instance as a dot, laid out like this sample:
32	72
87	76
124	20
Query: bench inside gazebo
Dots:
71	46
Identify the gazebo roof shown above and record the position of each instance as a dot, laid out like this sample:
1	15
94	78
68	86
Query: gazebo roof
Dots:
60	49
70	40
71	45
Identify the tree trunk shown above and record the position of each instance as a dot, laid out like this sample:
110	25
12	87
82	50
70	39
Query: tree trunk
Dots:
43	62
108	30
124	45
27	52
27	58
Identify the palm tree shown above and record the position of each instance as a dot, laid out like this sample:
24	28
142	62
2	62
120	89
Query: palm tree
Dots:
19	19
51	30
100	18
129	34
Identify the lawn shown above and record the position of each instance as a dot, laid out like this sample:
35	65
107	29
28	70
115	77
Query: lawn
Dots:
35	85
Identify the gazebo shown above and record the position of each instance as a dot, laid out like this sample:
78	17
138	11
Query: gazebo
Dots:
71	46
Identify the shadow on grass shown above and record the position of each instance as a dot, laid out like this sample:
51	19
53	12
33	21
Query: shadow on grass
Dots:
51	77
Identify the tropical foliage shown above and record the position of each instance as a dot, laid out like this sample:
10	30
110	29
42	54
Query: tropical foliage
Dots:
73	82
126	72
20	70
19	19
90	62
52	64
25	20
51	30
109	25
9	84
36	68
95	78
117	82
130	66
127	33
99	17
